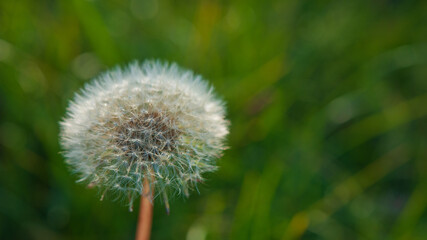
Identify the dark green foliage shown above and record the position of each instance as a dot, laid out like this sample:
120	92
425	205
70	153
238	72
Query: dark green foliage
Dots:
327	102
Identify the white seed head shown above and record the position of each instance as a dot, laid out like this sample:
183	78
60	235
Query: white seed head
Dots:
150	121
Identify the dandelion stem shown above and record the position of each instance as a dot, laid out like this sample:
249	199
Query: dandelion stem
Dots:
145	218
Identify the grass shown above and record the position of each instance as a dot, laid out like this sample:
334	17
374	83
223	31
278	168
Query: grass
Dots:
327	101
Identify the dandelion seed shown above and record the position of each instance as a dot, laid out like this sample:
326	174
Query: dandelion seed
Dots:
150	121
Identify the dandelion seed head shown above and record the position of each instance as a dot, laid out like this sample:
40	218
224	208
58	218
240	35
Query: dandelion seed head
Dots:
152	121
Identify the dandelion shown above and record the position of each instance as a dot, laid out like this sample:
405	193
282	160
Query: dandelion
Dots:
150	129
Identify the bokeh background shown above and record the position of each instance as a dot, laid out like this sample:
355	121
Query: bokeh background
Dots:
327	101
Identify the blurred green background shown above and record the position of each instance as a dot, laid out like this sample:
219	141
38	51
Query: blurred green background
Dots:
327	102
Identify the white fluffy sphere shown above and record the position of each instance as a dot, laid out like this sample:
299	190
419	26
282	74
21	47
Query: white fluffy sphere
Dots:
150	121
